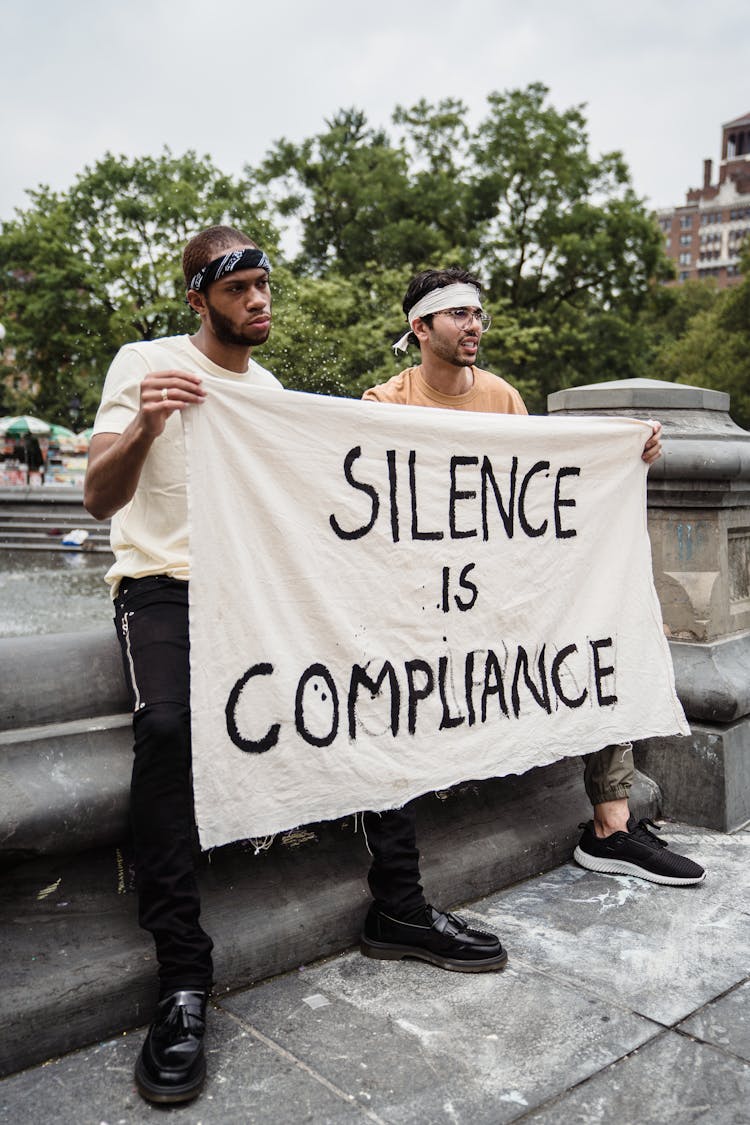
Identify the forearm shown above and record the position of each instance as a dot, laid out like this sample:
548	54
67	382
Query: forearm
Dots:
114	469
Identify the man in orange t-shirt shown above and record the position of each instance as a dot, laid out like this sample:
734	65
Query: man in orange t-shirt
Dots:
446	321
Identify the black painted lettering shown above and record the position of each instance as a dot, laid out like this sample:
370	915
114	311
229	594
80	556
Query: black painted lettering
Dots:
458	494
540	691
469	687
415	532
506	514
447	719
361	677
529	529
413	667
465	584
393	480
493	684
316	671
600	671
554	674
560	531
361	486
249	745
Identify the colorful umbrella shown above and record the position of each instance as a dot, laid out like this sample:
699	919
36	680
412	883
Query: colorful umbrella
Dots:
24	424
83	440
56	431
64	438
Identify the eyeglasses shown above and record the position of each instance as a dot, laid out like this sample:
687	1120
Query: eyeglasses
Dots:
462	318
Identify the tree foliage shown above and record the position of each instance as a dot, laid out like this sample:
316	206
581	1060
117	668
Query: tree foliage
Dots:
713	349
566	248
86	270
571	258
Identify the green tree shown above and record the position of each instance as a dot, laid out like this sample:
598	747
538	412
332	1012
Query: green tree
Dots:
714	349
569	245
570	256
86	270
333	335
350	191
569	252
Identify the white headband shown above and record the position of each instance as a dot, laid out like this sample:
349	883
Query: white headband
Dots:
454	296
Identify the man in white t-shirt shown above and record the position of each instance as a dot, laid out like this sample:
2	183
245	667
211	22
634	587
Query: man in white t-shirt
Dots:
136	475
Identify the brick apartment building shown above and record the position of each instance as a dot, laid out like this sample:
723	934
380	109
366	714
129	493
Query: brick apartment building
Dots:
703	236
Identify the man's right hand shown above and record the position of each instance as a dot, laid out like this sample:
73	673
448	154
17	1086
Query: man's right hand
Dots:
115	460
164	392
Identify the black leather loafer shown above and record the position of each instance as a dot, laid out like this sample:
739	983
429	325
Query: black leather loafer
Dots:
442	939
171	1066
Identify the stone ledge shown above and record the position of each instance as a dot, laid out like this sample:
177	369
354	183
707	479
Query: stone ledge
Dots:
637	394
712	678
65	788
60	677
703	779
696	460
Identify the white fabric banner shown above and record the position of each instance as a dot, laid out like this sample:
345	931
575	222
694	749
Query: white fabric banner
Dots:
387	600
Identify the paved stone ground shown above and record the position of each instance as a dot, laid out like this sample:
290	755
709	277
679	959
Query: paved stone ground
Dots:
622	1002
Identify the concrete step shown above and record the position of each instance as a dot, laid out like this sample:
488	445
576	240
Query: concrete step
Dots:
17	522
30	530
43	542
59	513
33	519
78	969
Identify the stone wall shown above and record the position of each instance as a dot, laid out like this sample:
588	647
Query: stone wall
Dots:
699	524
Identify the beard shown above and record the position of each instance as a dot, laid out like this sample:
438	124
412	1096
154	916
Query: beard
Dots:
226	332
450	351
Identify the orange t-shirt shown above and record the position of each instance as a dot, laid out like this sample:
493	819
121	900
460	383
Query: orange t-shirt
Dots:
489	393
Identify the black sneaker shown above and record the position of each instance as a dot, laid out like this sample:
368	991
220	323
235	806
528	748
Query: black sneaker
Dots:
171	1066
442	939
636	852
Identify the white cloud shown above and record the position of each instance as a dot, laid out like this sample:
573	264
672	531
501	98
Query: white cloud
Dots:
87	76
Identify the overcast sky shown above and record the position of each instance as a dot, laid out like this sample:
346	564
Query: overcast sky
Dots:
229	77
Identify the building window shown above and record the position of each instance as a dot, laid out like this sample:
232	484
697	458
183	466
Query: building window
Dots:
738	144
686	222
685	259
685	239
684	276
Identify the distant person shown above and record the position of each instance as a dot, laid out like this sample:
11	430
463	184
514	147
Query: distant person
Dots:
34	456
446	321
136	474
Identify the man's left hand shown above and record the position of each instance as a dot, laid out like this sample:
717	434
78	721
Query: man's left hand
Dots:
652	448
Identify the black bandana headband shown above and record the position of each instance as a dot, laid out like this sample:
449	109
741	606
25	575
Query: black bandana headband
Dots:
248	259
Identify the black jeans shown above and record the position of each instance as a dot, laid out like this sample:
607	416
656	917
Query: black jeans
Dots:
151	617
152	625
394	876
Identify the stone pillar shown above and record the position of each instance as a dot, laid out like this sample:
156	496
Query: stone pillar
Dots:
699	524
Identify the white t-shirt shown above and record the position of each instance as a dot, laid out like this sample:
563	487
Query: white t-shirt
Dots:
150	534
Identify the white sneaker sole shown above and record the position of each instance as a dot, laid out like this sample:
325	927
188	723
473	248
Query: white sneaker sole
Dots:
622	867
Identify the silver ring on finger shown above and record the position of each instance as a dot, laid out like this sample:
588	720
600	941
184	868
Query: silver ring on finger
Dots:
164	393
